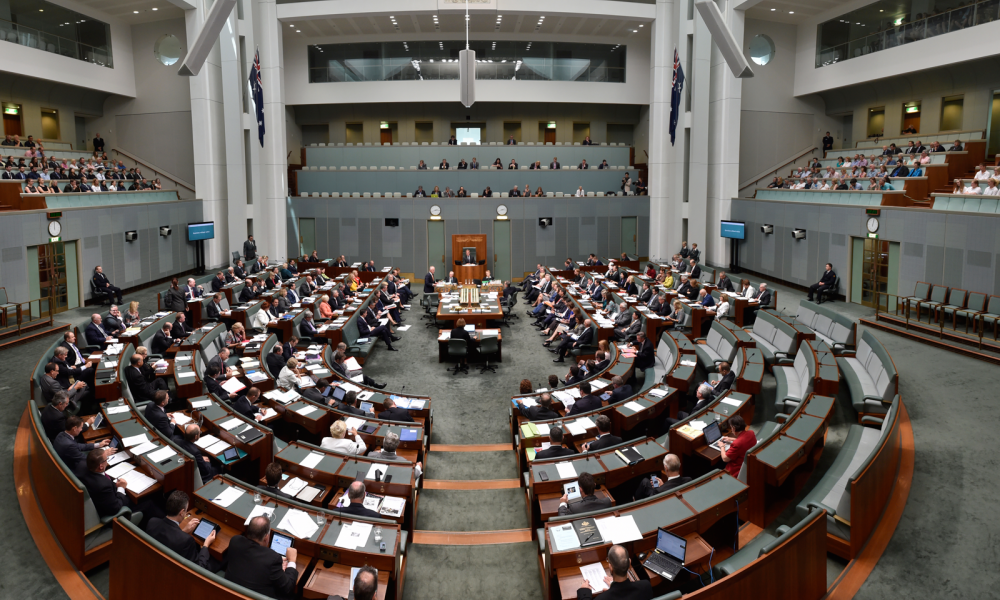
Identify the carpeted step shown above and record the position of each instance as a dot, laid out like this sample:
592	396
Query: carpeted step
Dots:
472	510
488	571
467	466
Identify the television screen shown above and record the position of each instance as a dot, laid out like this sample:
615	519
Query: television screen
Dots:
201	231
734	230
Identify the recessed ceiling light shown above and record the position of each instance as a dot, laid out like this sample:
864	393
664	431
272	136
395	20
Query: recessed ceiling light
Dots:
135	12
154	8
298	31
41	10
292	26
773	9
880	10
791	12
640	25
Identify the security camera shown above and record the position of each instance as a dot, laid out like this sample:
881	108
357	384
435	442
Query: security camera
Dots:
544	222
767	228
799	234
164	231
130	236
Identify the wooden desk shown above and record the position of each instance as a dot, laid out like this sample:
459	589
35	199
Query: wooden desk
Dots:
548	504
477	337
336	581
492	313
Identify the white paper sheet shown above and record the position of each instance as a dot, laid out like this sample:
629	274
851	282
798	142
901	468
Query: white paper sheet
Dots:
732	402
305	410
205	441
564	537
135	440
565	470
299	524
634	406
161	454
311	460
595	574
230	424
228	496
257	511
218	447
376	467
201	403
143	448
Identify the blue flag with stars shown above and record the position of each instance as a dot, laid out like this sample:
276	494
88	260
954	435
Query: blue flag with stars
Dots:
257	95
675	96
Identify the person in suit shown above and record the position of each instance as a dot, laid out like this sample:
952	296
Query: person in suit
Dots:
157	416
703	397
644	351
542	412
54	415
574	376
588	501
349	405
95	333
394	413
556	449
763	298
238	271
174	532
114	324
444	164
672	479
272	477
338	441
555	163
219	282
462	165
429	281
705	299
620	390
629	332
514	193
255	566
583	165
619	585
451	277
249	249
101	282
180	329
108	495
74	357
366	331
365	585
249	291
67	371
246	405
601	362
724	283
141	390
459	333
191	290
604	437
474	164
356	496
162	340
825	283
695	271
288	348
511	141
186	437
214	308
72	452
388	453
275	360
568	344
725	379
587	401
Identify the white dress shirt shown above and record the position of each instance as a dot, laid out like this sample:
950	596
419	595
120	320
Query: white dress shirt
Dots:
344	445
982	175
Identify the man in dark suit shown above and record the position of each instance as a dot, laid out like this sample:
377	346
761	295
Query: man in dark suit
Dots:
695	271
95	333
66	371
644	351
601	362
451	277
459	333
587	401
543	411
511	141
180	329
141	390
588	500
238	271
108	495
634	327
619	585
444	164
725	380
724	283
703	397
213	309
574	377
555	163
72	452
356	495
157	416
349	405
586	337
288	349
249	291
394	413
474	164
429	281
219	282
556	449
604	437
763	298
114	324
514	193
245	404
655	485
54	415
102	283
365	330
192	290
162	340
186	437
620	390
825	283
275	360
252	563
272	477
249	249
900	171
174	532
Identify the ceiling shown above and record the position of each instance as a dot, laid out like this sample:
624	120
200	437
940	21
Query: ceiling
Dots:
790	11
132	12
417	24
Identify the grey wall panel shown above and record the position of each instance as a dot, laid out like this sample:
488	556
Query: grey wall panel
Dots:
614	236
573	237
933	263
603	247
954	262
562	241
349	235
407	259
518	249
643	233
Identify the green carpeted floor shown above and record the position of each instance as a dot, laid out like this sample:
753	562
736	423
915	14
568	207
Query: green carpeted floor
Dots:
472	465
457	572
471	510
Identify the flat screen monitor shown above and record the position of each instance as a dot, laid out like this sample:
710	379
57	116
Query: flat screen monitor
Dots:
201	231
736	230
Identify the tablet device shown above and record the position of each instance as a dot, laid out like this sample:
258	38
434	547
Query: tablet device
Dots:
367	407
204	529
231	454
368	428
115	442
98	421
338	393
280	543
326	392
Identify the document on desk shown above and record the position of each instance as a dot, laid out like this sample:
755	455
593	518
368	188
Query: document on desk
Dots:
137	481
594	574
298	523
114	410
377	467
586	423
698	425
218	447
689	363
305	410
618	530
598	384
161	454
294	486
659	392
365	395
142	448
563	397
185	374
543	428
311	460
565	470
354	423
634	406
268	413
732	402
180	418
258	511
228	496
354	535
119	470
564	537
118	457
575	428
205	441
350	387
230	424
201	403
134	440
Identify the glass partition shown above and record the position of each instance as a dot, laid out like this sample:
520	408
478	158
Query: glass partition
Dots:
408	61
52	28
886	24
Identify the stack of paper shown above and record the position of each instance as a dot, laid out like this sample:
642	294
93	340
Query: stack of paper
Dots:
659	392
565	470
311	460
294	486
619	530
230	424
206	440
161	454
354	423
354	535
299	524
142	448
114	410
180	418
228	496
392	506
218	447
257	511
634	406
201	403
137	481
119	470
564	537
305	410
594	574
135	440
575	428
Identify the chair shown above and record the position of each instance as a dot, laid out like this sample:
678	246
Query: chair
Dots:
489	346
104	296
5	307
236	257
458	349
830	293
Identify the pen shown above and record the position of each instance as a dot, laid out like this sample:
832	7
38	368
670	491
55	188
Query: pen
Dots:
588	538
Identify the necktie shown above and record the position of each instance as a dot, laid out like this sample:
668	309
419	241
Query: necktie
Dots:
79	357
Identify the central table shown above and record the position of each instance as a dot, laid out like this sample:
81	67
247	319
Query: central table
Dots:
490	311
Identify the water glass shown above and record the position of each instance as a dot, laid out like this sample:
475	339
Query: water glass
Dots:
320	520
256	498
378	534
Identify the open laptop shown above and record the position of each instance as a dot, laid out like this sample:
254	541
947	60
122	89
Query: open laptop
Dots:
668	557
712	435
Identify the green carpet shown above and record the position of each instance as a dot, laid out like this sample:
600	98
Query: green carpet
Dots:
494	571
471	510
472	465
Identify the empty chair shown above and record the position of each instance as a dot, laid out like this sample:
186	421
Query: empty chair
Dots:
409	194
374	168
972	204
355	195
392	168
354	168
558	143
988	205
545	167
523	167
413	167
340	143
571	167
590	194
529	143
425	144
550	194
368	143
599	193
324	195
366	195
362	168
397	195
434	143
382	168
559	194
335	194
473	195
503	194
324	168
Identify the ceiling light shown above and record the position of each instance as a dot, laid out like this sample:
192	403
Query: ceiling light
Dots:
154	8
291	25
135	12
791	12
880	10
640	25
41	10
773	9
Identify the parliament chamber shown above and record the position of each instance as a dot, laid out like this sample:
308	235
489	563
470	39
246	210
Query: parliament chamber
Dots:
620	299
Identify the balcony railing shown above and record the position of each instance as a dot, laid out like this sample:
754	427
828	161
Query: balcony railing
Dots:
33	38
528	70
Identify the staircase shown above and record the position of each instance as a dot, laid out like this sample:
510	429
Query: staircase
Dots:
185	189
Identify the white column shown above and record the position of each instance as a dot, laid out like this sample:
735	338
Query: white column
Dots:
208	136
232	94
270	221
664	223
699	231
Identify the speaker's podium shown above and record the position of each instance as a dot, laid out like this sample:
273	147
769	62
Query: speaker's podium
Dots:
469	252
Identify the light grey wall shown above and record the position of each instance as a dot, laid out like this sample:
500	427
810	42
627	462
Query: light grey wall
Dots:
357	229
100	235
774	124
35	94
959	250
155	125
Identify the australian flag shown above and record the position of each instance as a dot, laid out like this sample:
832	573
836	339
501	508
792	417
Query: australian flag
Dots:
257	96
675	97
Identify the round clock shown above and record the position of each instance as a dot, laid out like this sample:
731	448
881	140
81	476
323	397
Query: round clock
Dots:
55	228
501	210
872	225
435	210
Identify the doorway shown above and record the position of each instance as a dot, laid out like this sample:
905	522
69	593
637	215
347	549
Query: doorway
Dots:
307	236
876	122
54	276
81	132
50	124
385	137
435	248
630	235
501	250
870	272
355	133
12	119
847	124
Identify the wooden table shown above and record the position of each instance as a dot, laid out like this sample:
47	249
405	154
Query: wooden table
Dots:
336	581
477	338
495	313
548	504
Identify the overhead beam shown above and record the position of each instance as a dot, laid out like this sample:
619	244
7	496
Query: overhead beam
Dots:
182	4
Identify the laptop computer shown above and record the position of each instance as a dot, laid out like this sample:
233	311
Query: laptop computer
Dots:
338	393
668	557
712	435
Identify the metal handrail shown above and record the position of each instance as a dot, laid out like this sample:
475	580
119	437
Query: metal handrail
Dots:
20	312
156	170
756	179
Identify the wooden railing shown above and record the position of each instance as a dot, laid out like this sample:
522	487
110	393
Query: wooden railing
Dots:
26	315
753	181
